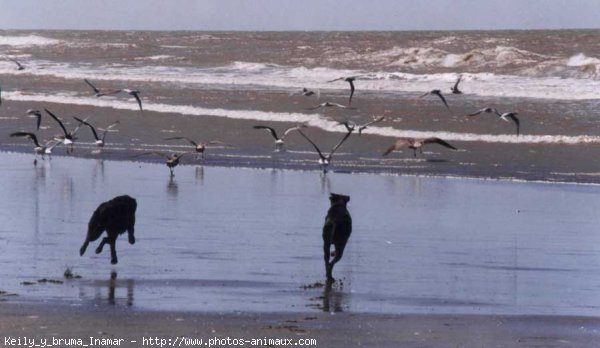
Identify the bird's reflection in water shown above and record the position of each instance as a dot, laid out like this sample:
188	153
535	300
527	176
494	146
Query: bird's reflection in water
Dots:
333	298
325	183
172	188
200	175
112	286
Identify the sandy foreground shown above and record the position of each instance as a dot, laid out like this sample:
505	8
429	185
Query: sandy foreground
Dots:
41	322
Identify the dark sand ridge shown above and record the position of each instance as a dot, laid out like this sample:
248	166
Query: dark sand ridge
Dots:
45	321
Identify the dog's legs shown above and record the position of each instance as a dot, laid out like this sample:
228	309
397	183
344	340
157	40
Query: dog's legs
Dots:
102	242
84	247
113	249
130	235
326	252
339	251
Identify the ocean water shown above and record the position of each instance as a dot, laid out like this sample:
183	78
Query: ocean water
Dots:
229	239
524	67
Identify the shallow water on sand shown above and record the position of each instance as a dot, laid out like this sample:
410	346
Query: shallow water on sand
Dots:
223	239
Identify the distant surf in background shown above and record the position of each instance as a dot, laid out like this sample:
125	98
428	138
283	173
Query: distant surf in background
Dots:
490	66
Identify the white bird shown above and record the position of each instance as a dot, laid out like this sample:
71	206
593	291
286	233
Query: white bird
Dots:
99	140
416	143
279	141
38	149
324	160
507	116
330	104
68	137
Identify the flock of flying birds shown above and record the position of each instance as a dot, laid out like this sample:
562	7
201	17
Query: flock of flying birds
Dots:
172	160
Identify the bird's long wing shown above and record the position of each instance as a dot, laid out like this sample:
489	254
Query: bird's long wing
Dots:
340	143
477	112
397	145
515	120
116	91
316	107
457	82
351	91
185	138
89	125
57	120
443	99
438	141
289	130
313	144
27	135
364	126
107	129
157	153
96	90
269	129
139	101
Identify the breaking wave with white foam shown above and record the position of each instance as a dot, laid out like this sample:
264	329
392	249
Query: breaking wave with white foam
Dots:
27	40
311	119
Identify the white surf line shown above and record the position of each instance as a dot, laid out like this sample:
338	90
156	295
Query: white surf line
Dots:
313	120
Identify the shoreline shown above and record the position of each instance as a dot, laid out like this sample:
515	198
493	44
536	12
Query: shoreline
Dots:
47	322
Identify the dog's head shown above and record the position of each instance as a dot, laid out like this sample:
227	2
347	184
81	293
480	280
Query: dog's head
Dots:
336	199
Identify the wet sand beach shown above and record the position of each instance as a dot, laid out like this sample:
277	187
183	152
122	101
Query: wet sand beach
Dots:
470	260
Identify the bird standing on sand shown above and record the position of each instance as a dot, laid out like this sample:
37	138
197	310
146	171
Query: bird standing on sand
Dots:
199	148
330	104
38	149
507	116
19	65
325	160
455	89
416	143
439	94
99	140
350	80
351	126
279	141
69	137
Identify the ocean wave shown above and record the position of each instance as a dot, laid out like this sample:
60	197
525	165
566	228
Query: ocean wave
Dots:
291	78
27	40
311	119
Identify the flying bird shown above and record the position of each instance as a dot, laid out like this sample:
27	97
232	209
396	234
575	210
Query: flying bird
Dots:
131	92
351	125
330	104
37	114
199	148
97	92
38	149
507	116
99	140
324	160
455	89
439	94
19	65
416	143
68	137
278	140
350	80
